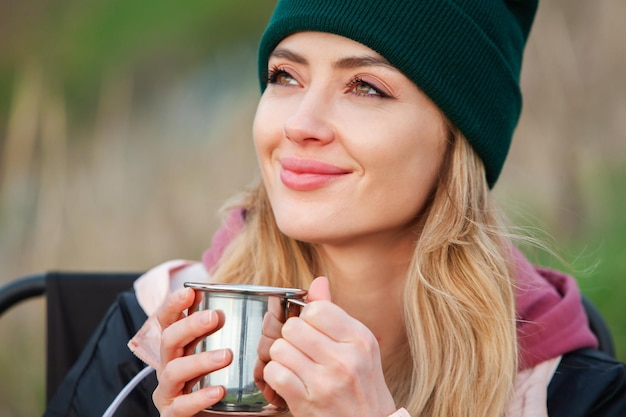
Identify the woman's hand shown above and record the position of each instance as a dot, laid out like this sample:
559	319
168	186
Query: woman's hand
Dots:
177	372
327	363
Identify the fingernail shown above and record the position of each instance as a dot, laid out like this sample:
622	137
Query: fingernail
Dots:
220	355
214	392
207	317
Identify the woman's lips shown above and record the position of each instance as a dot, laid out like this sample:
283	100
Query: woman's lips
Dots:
308	174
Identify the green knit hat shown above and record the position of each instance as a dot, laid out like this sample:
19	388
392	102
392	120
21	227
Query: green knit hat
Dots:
465	55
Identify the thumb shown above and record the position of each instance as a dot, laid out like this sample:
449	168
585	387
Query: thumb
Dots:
319	290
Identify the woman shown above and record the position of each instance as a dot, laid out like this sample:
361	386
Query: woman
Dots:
381	129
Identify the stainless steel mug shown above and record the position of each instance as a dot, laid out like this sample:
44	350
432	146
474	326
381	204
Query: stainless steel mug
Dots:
244	308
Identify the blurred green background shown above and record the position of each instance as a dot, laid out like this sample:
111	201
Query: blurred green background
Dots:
124	126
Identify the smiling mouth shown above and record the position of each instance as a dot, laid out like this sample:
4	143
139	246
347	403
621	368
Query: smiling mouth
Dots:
307	174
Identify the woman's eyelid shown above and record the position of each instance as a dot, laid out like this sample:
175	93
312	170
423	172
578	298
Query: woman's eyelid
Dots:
278	69
373	81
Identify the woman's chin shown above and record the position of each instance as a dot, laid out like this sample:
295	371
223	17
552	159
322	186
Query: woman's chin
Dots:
306	231
302	233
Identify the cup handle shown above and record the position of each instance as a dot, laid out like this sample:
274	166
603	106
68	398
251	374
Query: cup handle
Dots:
296	301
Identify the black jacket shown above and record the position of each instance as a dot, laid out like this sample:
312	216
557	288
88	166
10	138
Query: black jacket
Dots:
105	366
587	383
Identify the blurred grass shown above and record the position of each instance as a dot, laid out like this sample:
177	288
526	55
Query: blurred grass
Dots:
125	125
77	43
605	284
597	256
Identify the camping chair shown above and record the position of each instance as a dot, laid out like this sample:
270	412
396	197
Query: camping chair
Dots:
76	301
75	304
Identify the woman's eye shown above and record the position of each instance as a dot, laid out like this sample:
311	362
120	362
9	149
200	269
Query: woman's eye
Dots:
362	88
281	77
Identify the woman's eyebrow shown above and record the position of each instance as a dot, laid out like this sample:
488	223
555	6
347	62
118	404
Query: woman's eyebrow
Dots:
348	62
289	55
351	62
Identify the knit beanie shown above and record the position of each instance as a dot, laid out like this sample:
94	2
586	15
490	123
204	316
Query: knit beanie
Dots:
466	55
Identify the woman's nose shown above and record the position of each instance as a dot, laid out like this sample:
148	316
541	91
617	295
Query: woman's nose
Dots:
310	120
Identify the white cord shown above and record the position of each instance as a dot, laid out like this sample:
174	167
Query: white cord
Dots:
127	390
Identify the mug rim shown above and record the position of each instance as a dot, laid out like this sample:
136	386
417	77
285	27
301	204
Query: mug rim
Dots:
248	289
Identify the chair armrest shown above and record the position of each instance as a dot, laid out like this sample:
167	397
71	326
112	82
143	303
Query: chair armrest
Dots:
21	289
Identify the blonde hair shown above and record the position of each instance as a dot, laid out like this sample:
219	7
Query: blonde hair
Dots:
459	299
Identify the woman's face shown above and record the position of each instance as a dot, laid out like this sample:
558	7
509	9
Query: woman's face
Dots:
349	148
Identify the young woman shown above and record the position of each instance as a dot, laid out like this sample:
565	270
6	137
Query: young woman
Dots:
381	129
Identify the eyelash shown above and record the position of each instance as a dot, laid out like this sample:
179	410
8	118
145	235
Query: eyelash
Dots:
271	77
358	80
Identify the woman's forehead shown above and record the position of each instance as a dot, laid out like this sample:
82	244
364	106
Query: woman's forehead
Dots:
342	52
333	44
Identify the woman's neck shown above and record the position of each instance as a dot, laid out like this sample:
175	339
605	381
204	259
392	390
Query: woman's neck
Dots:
367	281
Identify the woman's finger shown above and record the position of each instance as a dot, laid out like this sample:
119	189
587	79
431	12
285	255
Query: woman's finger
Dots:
267	391
173	377
284	382
174	306
173	392
331	320
189	404
271	330
315	345
180	334
319	290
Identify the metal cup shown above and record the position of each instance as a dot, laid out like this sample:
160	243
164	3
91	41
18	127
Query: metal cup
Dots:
244	308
